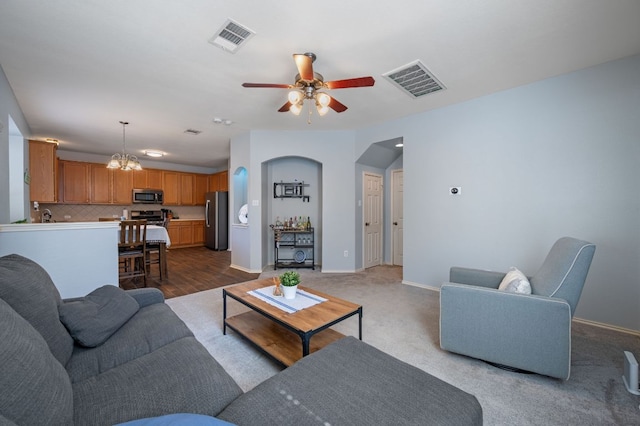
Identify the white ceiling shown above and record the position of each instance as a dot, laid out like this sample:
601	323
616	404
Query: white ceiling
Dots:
77	67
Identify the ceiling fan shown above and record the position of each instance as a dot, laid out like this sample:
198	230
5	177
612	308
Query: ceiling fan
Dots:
308	85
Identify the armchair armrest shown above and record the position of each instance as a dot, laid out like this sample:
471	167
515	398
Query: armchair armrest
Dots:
528	332
478	277
146	296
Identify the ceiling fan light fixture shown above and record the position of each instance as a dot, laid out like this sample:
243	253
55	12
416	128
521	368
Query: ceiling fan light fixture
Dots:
295	97
322	109
296	109
323	99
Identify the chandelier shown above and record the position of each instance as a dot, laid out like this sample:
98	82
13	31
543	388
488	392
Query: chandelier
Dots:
124	161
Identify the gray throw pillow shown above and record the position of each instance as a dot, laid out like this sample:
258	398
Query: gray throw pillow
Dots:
92	319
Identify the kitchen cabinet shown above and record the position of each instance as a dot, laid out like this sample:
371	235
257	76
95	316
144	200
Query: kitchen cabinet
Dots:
219	181
100	184
198	232
43	171
186	233
110	186
93	183
73	187
201	189
214	182
171	187
147	178
187	184
122	186
224	181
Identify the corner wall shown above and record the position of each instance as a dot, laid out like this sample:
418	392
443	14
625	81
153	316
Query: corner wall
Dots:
535	163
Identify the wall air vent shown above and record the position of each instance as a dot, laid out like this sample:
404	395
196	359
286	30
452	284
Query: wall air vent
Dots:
193	131
415	79
231	36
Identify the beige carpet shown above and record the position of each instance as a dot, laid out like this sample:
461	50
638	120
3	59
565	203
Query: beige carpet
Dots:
402	320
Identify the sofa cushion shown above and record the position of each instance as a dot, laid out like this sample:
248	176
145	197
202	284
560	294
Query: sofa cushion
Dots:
181	377
515	281
149	329
32	381
350	382
94	318
28	288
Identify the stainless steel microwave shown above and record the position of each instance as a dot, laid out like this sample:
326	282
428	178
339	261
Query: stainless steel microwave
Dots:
148	196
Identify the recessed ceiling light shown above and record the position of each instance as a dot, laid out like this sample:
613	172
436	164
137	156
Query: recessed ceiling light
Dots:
155	154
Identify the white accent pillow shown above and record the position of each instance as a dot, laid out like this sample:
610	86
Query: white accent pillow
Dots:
516	282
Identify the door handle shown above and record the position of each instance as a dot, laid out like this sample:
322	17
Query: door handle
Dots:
366	224
395	223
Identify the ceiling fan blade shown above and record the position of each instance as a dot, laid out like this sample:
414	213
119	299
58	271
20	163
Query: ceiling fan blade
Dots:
270	85
350	82
305	66
285	107
337	106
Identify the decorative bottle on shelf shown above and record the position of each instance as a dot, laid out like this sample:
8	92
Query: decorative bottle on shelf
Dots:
308	223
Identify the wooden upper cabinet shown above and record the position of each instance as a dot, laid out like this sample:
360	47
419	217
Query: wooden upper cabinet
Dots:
43	171
100	184
154	179
122	186
74	182
187	185
224	181
171	187
140	179
214	182
201	189
219	181
147	178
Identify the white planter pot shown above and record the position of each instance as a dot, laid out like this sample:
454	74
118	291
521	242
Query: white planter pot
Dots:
289	292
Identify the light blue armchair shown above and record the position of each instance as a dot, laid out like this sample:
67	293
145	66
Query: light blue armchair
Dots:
529	332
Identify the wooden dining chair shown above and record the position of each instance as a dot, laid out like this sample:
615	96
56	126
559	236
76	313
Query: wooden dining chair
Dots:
132	253
156	255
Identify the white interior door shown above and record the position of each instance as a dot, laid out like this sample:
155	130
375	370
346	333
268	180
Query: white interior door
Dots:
397	215
372	220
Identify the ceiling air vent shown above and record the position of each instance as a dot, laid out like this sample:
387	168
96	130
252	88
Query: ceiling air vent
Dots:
193	131
415	79
231	36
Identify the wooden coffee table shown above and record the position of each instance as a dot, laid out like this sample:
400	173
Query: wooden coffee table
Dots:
286	337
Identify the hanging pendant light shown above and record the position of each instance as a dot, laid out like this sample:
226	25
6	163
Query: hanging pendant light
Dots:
124	161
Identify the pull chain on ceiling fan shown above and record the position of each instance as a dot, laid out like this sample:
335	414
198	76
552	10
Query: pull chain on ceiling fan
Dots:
308	84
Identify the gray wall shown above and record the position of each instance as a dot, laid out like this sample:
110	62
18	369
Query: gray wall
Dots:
334	152
554	158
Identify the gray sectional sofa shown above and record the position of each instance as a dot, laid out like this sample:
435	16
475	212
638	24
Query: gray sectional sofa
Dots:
115	356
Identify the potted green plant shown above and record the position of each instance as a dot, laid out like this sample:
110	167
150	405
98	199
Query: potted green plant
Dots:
289	282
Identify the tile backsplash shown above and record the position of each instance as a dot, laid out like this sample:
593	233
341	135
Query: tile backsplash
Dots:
91	212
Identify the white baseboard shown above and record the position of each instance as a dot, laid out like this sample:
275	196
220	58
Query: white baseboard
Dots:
425	286
243	269
607	326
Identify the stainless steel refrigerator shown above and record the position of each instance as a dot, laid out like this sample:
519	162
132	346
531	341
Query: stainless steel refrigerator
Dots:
216	214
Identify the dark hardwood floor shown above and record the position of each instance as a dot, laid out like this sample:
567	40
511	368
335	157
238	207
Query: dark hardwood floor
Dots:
191	270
